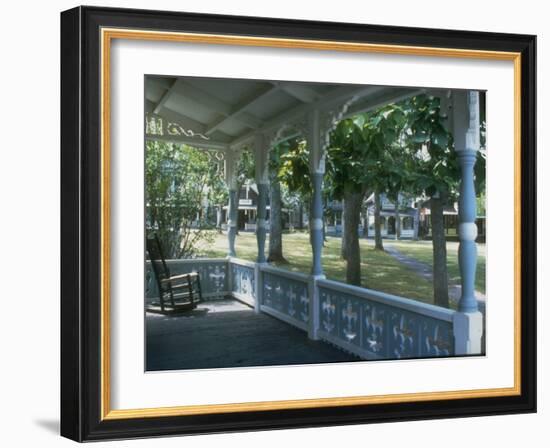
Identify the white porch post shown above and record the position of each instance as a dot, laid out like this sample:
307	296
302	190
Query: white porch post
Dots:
468	321
232	208
261	151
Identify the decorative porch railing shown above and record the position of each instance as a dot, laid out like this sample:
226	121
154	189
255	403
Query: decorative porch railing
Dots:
375	325
242	278
370	324
213	275
285	295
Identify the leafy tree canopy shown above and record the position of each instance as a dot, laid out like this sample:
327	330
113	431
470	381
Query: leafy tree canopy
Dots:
178	178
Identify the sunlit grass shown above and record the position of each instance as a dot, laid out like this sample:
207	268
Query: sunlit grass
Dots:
422	251
379	270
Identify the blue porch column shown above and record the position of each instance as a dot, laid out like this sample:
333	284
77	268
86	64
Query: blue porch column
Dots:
232	206
261	221
317	171
468	322
261	152
467	232
467	146
232	222
314	135
317	223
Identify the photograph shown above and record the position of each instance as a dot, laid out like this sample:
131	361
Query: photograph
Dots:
301	223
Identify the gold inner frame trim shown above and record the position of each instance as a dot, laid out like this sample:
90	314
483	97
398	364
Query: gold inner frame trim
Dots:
107	35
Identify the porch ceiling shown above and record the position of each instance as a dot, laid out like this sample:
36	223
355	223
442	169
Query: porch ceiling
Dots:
227	112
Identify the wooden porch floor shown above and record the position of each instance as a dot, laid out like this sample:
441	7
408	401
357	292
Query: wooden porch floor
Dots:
228	333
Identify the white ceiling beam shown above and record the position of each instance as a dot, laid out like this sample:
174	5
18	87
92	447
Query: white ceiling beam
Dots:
238	111
164	98
301	92
248	120
202	97
195	142
183	88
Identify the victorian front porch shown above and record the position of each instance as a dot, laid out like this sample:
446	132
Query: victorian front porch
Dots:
363	322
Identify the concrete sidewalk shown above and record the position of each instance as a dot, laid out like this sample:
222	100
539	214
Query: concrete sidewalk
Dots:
425	270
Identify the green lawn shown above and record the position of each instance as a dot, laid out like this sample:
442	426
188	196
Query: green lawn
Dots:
422	251
379	270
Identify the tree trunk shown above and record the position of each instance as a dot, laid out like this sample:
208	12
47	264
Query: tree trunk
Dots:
439	243
377	230
397	224
236	207
324	224
301	217
219	212
275	223
416	224
352	213
343	242
310	220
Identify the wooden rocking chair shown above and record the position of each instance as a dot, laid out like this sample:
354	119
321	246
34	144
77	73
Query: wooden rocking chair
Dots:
177	293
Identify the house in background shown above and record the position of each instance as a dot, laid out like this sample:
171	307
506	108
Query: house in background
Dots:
413	220
408	218
403	223
293	218
450	220
247	208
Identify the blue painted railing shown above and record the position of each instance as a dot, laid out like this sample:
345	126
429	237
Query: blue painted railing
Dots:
285	295
213	275
242	279
375	325
370	324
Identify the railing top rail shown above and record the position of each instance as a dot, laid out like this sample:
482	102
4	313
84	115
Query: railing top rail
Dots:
414	306
241	262
196	260
285	273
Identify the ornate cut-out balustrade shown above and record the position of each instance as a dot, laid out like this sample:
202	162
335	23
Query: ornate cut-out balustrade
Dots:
370	324
242	277
375	325
285	295
212	273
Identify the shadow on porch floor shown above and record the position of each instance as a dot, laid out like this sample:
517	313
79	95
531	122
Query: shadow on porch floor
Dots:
227	333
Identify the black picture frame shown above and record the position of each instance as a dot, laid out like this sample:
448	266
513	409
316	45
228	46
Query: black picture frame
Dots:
81	209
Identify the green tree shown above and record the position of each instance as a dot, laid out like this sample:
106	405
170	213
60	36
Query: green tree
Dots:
276	175
363	156
349	181
176	184
435	173
387	164
295	175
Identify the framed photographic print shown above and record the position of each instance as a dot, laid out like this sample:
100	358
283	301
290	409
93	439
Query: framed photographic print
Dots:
272	223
